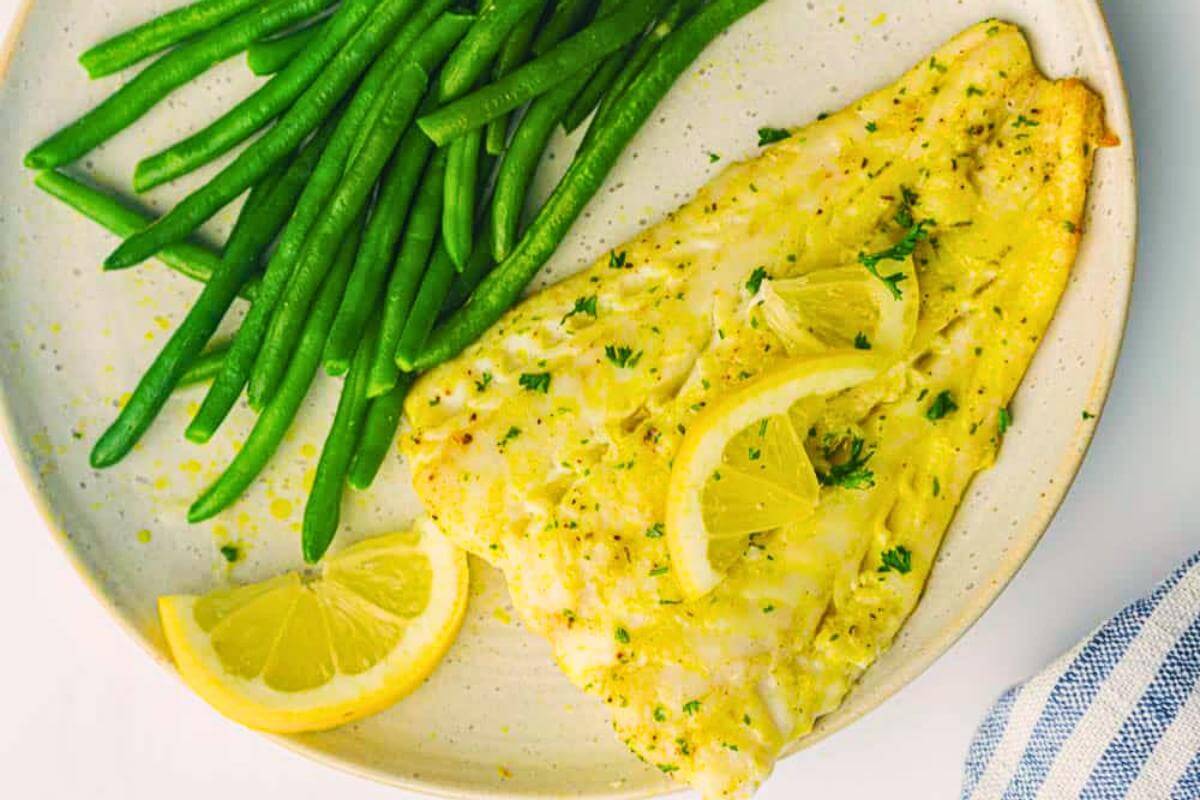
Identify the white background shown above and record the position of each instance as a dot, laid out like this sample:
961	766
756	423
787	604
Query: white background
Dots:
86	714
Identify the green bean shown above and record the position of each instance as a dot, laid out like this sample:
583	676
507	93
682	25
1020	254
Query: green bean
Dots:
585	48
379	433
602	79
403	96
272	55
465	282
277	416
419	236
309	111
379	244
165	75
503	286
323	509
317	162
676	14
205	367
268	102
264	213
474	54
513	54
568	17
521	161
435	287
186	258
458	210
158	34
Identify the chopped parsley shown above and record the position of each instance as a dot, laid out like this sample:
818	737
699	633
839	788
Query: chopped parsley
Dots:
1025	122
898	559
1005	421
852	472
655	531
617	260
623	356
485	380
768	136
660	714
231	552
754	453
872	127
657	571
942	405
935	65
768	608
667	768
713	158
536	381
754	282
861	342
974	91
583	305
622	635
899	252
513	433
691	707
937	486
1088	415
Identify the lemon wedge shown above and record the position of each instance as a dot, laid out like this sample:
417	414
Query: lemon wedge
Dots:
308	651
846	308
742	468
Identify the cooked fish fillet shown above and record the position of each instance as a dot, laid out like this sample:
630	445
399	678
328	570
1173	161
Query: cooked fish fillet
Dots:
540	452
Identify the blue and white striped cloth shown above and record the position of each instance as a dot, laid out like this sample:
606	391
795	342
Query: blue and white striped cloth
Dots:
1117	717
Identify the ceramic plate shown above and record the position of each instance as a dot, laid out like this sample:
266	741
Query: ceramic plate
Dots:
497	717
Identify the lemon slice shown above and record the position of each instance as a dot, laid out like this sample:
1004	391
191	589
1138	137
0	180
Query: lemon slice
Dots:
843	309
308	651
742	468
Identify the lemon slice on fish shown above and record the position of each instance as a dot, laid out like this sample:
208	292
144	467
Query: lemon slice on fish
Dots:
742	468
847	308
308	651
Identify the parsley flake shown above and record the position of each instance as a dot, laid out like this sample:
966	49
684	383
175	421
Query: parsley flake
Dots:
898	559
512	433
617	260
1005	421
899	252
536	381
622	635
655	531
754	282
583	305
691	707
861	342
768	136
623	356
942	405
231	552
1025	122
851	472
485	380
657	571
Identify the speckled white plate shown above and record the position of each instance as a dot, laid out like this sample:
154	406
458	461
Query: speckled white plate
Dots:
496	718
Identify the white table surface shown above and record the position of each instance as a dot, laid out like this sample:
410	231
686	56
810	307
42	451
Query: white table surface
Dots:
87	714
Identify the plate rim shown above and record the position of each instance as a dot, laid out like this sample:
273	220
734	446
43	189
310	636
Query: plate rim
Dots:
1117	107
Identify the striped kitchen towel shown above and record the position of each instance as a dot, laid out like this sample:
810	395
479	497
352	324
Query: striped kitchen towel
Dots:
1117	717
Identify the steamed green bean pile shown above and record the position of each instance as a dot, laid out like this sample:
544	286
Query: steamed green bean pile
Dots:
386	161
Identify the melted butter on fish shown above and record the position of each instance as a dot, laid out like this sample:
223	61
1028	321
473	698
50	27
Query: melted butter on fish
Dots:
546	447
